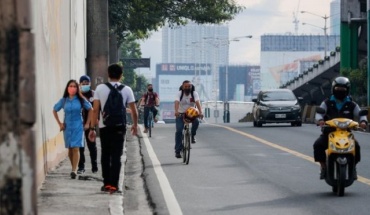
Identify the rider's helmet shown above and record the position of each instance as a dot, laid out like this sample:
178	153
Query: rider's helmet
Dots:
191	114
340	87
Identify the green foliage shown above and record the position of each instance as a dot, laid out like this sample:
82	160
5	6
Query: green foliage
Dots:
131	49
358	78
139	17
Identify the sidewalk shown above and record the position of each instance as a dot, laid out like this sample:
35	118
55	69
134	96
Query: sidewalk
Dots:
65	196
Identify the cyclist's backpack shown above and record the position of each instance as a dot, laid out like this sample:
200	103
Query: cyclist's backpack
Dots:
114	112
191	92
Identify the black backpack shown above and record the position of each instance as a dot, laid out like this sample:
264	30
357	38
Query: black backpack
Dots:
114	112
191	92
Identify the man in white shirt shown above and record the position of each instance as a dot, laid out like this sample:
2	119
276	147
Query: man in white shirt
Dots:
185	98
112	137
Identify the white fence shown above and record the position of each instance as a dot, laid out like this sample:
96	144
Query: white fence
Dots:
238	110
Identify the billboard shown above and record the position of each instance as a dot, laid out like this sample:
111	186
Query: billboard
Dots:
168	86
170	77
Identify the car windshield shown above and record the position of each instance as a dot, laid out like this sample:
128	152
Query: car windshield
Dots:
278	96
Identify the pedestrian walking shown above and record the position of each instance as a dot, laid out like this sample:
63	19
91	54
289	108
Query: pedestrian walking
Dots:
72	126
91	145
112	99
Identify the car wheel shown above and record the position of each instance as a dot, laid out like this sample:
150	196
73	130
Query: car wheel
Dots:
299	123
293	124
259	124
254	123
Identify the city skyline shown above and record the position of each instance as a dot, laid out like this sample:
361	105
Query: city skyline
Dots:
257	19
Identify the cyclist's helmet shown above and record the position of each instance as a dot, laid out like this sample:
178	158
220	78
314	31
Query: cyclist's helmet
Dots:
340	87
191	114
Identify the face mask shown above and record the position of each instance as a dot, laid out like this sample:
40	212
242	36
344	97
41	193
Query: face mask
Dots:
150	90
85	88
338	94
187	91
72	91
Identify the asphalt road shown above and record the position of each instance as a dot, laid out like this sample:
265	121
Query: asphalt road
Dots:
241	169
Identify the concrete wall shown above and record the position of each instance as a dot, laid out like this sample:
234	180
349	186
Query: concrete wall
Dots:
60	43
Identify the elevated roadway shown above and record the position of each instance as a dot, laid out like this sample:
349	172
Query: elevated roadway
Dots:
314	85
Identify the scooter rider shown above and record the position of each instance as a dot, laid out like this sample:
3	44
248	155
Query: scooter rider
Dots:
339	105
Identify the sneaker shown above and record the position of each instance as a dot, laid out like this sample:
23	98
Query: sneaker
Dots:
105	188
94	169
73	175
322	174
81	171
114	190
193	140
178	155
145	130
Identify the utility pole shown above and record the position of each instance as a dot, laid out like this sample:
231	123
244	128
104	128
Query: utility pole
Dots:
18	192
97	41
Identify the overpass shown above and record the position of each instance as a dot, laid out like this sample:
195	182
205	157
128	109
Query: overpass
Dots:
314	84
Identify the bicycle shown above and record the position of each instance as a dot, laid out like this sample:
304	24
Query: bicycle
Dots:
186	143
150	123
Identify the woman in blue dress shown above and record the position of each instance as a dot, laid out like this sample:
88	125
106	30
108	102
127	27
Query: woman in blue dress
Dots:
72	126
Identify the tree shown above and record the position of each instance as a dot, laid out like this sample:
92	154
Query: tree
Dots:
139	17
358	79
131	49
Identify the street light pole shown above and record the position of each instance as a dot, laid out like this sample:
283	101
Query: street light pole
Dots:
224	41
235	39
325	35
325	17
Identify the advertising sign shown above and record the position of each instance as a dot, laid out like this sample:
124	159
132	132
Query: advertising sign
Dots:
169	86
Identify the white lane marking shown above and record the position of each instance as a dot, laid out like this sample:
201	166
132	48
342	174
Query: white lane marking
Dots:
300	155
169	197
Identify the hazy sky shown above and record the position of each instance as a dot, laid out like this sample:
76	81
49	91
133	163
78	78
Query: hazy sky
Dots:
260	17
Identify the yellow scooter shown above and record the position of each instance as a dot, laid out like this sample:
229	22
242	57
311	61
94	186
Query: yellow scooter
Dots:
340	155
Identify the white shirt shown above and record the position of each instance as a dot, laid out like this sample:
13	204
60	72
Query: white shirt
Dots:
187	101
102	92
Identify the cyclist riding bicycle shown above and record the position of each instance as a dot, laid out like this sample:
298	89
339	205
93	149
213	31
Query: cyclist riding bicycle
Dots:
149	100
185	98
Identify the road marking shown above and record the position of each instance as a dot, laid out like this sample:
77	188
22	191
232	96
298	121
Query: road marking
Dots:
168	194
276	146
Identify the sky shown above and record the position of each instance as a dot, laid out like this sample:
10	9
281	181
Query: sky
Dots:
258	18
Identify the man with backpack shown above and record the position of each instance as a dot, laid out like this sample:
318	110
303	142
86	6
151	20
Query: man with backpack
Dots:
186	97
111	100
91	145
149	100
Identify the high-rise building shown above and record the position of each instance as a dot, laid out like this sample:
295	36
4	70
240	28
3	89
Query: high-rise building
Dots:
197	44
335	17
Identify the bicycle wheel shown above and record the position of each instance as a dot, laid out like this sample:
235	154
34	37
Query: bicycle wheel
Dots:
150	118
187	148
183	151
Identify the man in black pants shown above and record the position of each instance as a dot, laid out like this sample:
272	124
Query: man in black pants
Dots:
339	105
112	135
89	95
